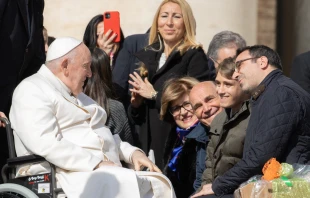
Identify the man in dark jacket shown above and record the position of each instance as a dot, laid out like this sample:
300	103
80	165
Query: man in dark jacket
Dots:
279	125
228	128
21	50
300	71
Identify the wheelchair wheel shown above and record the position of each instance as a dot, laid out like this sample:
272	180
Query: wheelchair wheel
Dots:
15	191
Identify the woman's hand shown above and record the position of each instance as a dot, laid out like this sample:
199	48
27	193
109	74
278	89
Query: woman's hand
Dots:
139	160
106	44
141	87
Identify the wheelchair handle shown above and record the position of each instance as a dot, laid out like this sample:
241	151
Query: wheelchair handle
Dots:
9	135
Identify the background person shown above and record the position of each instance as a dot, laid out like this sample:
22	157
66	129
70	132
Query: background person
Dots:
185	153
172	52
100	88
223	45
21	51
94	37
300	71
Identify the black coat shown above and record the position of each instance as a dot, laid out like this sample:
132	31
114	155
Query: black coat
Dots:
21	50
191	160
300	71
126	63
279	127
152	131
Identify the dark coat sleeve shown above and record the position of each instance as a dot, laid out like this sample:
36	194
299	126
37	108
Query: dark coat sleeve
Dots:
137	116
200	165
126	63
198	66
300	71
3	4
272	132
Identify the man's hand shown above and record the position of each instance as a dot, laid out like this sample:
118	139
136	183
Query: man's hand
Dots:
206	190
2	115
139	159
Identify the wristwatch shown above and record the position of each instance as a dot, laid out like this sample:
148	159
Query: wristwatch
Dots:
154	95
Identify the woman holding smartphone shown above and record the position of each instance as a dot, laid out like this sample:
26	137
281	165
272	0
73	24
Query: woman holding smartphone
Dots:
172	51
94	37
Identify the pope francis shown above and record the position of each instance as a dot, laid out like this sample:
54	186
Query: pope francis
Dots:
51	117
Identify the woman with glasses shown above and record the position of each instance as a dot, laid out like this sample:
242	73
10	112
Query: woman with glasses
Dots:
184	155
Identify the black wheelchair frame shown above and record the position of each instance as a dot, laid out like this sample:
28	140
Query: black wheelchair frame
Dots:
8	171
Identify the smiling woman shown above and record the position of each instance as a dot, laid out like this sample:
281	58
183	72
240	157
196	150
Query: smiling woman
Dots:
172	52
184	154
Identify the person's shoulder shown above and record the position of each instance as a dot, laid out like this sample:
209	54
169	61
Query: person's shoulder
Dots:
195	49
195	52
136	38
301	61
218	120
116	105
34	80
304	56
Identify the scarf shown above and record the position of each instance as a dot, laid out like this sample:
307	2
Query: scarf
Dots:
181	133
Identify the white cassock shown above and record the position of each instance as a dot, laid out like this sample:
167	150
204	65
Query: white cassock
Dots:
70	133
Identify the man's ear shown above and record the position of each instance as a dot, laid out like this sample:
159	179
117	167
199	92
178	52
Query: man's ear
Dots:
64	67
263	62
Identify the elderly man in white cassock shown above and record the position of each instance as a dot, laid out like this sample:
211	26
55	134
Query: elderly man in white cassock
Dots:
51	117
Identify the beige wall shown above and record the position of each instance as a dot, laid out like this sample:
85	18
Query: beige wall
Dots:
70	17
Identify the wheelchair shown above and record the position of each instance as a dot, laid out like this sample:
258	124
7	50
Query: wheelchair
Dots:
34	186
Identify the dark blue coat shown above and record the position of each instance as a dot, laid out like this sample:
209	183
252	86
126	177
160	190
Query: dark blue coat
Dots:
279	127
191	160
300	71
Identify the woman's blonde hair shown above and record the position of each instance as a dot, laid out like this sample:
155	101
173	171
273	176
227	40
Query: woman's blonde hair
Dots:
174	89
189	39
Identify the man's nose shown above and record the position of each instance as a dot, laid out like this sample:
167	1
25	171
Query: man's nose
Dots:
235	75
89	73
220	89
206	108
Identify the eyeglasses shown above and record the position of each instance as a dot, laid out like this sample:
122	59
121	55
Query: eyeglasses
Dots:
213	60
176	110
238	63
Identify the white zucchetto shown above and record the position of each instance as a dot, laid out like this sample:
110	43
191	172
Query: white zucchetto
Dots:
60	47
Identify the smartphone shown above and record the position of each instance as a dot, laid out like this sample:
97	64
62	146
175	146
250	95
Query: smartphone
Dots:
111	21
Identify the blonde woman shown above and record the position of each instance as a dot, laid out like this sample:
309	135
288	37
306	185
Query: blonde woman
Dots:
172	52
185	149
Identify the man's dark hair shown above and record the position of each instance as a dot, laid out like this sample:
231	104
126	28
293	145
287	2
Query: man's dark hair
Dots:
262	50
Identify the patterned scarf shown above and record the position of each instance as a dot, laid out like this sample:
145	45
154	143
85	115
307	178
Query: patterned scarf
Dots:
181	133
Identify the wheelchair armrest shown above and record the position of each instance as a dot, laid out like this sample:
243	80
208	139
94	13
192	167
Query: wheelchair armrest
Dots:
24	160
